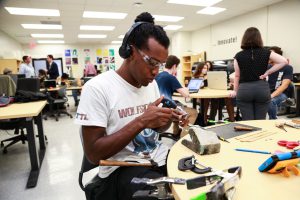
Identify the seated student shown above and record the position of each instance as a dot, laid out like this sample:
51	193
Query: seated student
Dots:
120	116
201	72
42	76
168	84
279	83
7	71
75	93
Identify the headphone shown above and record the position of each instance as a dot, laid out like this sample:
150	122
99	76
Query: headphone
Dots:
125	49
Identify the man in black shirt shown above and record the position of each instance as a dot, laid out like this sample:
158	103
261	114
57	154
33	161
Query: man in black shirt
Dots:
279	85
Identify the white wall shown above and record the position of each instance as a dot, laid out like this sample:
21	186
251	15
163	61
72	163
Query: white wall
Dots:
278	24
41	51
9	47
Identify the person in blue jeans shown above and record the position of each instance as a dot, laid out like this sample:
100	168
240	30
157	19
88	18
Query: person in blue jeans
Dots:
279	83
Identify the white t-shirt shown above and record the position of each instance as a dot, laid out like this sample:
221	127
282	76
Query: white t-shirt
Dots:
109	101
27	69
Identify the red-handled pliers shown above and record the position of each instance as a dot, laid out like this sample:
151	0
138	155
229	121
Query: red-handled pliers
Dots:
288	144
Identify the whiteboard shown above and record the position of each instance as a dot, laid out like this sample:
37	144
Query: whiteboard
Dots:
42	64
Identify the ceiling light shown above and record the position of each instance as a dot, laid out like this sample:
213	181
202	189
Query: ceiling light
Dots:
203	3
91	36
165	18
33	11
41	26
211	10
50	41
116	42
172	27
97	28
47	35
121	36
104	15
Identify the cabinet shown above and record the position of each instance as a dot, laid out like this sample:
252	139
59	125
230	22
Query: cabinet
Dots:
186	65
12	64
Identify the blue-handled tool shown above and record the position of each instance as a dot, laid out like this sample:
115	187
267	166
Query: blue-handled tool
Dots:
253	151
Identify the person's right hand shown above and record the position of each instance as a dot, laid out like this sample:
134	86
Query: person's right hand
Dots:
154	116
232	94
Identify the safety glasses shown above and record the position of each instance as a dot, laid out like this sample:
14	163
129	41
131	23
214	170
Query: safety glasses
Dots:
152	62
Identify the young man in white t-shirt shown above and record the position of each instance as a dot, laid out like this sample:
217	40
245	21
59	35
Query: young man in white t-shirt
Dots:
119	113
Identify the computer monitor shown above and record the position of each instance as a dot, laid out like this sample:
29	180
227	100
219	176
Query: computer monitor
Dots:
50	83
21	76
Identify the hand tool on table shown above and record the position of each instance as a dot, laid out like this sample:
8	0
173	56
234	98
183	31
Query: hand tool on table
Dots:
162	191
288	144
225	180
190	163
151	163
242	128
253	151
285	166
280	125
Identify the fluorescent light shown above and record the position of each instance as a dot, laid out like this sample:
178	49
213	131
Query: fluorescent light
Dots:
50	41
97	28
116	42
33	11
172	27
47	35
203	3
121	36
211	10
41	26
165	18
104	15
91	36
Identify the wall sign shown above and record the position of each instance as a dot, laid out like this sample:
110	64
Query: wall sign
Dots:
227	41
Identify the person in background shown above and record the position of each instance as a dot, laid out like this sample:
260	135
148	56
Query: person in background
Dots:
168	84
279	83
42	76
26	67
210	66
201	72
251	69
64	80
53	68
7	71
90	70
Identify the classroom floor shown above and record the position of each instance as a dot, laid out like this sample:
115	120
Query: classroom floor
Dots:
58	177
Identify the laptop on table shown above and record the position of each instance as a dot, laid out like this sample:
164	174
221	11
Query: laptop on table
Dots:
217	80
194	85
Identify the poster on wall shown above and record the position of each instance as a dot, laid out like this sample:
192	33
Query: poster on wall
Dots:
112	59
68	61
112	67
111	52
74	61
86	52
74	53
105	52
99	52
105	60
99	60
67	52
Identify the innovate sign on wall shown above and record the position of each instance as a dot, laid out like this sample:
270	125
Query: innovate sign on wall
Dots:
227	41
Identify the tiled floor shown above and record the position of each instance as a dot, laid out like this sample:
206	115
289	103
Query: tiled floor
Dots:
59	172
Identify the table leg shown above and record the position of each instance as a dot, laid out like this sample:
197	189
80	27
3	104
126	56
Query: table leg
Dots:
34	160
39	123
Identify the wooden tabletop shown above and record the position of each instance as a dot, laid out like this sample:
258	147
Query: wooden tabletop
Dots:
210	93
296	84
253	184
57	88
18	110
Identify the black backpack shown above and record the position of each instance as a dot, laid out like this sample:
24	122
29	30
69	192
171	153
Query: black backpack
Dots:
28	96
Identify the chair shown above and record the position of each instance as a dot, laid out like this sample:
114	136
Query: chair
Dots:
59	101
86	166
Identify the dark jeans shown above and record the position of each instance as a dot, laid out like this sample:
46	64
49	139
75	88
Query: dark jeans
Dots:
117	185
274	104
253	99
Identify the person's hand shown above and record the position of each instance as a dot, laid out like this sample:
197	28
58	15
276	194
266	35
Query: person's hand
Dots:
232	94
154	116
264	76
